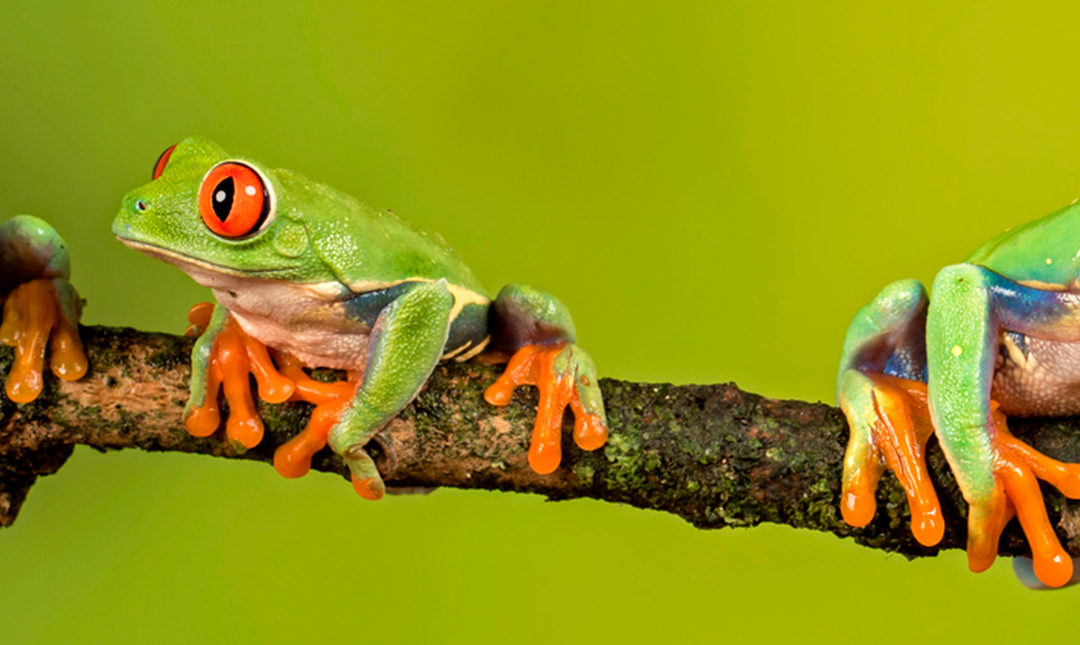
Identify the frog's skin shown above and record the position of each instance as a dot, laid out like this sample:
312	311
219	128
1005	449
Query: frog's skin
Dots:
326	281
40	307
1000	337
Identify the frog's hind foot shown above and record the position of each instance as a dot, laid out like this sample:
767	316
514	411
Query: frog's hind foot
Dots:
890	425
40	313
536	331
1017	470
566	376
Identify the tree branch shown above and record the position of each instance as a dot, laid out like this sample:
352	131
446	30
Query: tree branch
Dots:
712	454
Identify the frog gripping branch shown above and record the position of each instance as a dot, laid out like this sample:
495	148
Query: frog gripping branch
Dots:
1001	336
40	307
306	276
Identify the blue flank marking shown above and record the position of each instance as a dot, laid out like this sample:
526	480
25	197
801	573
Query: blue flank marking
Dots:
366	307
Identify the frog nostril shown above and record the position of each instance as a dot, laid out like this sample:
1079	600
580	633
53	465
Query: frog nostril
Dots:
141	205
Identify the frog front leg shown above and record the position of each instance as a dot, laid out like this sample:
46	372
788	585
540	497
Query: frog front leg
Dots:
40	307
879	390
223	357
405	345
537	330
996	473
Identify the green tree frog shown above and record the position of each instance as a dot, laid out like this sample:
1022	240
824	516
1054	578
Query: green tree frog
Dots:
319	279
40	307
1000	337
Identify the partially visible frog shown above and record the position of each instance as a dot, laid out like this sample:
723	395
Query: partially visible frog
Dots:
324	280
40	306
1000	337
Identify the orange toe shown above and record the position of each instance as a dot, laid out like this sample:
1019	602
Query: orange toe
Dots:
32	320
533	365
370	488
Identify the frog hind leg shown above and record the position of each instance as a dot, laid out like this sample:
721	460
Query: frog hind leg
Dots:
879	389
997	473
41	308
537	331
405	345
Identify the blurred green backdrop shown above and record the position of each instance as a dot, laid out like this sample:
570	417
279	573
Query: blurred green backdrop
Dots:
713	189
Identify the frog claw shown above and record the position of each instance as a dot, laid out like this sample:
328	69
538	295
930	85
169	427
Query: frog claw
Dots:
565	376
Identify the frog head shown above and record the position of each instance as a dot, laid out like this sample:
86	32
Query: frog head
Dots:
216	215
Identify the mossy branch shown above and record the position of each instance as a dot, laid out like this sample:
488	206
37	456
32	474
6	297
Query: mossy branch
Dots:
712	454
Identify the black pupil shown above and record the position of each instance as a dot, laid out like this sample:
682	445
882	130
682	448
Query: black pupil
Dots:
222	198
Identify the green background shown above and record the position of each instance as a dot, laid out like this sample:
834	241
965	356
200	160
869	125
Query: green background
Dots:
713	189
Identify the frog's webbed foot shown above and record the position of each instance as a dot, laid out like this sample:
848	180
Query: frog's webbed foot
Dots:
566	376
40	313
537	332
890	425
1017	470
224	357
231	357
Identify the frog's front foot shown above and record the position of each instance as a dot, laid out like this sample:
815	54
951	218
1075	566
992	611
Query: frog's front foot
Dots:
226	355
37	314
890	425
565	375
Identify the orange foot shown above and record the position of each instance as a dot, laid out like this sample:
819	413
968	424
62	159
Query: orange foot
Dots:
1018	469
33	318
899	436
293	458
235	355
558	375
899	439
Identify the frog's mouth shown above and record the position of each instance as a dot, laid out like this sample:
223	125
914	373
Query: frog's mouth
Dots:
200	270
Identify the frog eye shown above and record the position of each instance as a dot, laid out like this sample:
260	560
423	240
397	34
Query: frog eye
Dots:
233	200
162	161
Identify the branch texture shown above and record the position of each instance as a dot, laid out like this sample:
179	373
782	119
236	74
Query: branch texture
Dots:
712	454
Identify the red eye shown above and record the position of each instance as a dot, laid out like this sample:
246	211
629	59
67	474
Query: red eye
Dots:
162	161
233	200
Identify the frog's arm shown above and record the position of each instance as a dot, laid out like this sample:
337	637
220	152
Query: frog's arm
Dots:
972	305
40	306
537	330
885	347
222	357
406	343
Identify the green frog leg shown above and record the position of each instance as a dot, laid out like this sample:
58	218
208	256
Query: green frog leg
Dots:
880	391
997	474
405	345
40	307
536	330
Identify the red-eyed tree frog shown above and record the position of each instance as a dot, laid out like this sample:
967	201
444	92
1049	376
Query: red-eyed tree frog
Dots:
307	276
40	307
1001	336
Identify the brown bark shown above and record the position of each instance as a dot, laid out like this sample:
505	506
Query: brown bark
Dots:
712	454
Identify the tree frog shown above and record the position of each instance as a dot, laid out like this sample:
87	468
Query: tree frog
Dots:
1001	336
319	279
40	307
